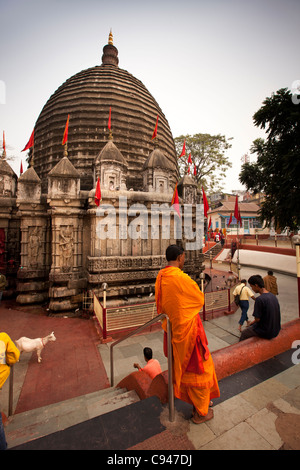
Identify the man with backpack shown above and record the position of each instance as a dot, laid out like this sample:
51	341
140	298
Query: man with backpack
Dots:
244	294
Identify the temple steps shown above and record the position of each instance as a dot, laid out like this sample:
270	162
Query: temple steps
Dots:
33	424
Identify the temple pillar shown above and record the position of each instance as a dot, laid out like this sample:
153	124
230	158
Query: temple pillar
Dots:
66	209
33	272
9	226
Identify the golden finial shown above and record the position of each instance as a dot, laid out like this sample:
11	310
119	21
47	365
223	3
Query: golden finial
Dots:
110	38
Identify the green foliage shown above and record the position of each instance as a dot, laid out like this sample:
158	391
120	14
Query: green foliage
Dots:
277	169
208	155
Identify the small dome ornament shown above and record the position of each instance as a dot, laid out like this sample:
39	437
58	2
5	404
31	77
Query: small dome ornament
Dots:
110	52
110	38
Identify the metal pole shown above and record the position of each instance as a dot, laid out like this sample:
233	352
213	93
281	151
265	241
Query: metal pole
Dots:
229	304
170	373
238	251
111	367
298	274
104	286
296	241
11	391
104	324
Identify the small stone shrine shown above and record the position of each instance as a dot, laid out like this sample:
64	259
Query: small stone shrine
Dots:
55	242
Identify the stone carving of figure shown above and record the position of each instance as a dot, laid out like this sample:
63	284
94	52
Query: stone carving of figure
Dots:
66	247
189	196
34	245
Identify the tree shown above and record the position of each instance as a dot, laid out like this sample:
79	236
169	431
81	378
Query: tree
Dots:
277	169
207	155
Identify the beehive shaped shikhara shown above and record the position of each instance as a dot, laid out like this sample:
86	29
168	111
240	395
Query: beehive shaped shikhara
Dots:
87	98
63	246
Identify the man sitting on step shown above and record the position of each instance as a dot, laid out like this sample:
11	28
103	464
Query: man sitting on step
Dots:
152	368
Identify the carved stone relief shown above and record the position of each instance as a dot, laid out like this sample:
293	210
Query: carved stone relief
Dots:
66	245
35	243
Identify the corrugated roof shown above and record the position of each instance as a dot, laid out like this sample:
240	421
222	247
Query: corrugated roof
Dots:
244	207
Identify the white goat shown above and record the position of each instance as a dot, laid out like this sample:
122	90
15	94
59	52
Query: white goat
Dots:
37	344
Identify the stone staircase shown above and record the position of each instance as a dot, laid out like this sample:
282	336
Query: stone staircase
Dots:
214	250
33	424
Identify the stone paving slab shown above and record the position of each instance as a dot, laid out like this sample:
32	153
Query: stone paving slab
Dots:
249	420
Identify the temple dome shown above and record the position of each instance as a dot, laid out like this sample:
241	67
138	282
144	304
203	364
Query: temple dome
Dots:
157	159
87	97
111	153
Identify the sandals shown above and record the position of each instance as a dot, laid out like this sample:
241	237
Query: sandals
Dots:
211	404
197	419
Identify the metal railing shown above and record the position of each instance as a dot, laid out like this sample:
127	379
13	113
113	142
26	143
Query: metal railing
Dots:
170	359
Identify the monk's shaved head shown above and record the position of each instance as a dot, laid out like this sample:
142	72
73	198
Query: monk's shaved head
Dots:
173	251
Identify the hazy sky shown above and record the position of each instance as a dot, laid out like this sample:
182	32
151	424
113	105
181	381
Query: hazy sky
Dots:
208	63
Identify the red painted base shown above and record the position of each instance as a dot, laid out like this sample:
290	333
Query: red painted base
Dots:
241	356
227	361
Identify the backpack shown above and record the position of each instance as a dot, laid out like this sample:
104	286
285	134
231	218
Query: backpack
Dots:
237	297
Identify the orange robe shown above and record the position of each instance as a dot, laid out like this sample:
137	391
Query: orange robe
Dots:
194	377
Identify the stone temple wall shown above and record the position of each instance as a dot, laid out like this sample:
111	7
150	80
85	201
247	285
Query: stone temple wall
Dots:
63	244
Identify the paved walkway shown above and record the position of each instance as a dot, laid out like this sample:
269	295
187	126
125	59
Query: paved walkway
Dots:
71	366
77	364
259	409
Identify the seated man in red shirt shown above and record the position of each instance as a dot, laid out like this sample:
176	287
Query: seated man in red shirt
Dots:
152	368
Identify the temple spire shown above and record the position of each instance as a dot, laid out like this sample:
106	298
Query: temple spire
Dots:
110	38
110	52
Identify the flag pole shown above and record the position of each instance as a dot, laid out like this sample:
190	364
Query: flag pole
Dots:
32	157
238	253
237	218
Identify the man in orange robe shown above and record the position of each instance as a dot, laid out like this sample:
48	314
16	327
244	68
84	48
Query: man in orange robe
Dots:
179	297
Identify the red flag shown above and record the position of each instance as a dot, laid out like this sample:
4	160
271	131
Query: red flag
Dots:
189	169
205	202
98	193
183	150
30	142
65	137
109	119
155	130
3	142
175	200
21	168
230	220
195	170
209	225
189	159
236	209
